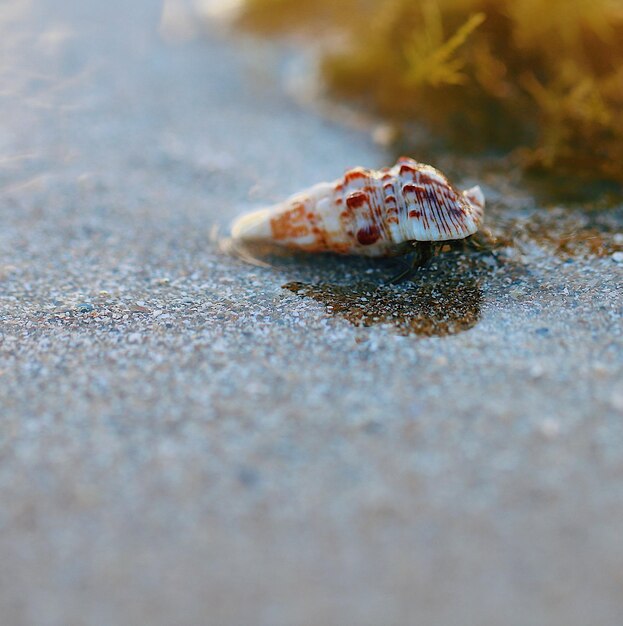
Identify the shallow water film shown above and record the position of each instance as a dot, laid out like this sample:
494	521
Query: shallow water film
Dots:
425	307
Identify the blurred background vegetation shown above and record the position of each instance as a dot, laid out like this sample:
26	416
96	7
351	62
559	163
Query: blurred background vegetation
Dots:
541	79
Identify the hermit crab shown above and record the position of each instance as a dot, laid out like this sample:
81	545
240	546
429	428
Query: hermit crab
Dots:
408	208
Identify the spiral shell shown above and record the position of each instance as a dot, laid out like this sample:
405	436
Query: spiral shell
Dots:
369	212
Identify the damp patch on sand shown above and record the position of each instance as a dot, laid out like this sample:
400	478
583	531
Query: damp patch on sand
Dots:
419	307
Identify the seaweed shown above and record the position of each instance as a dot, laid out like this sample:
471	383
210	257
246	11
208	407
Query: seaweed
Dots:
543	80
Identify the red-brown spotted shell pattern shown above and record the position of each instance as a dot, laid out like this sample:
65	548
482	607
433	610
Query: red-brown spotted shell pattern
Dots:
369	212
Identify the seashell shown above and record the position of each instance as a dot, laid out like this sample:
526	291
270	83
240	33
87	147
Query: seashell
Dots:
369	212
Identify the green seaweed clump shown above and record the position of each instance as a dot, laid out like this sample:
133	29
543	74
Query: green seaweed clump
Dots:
544	79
